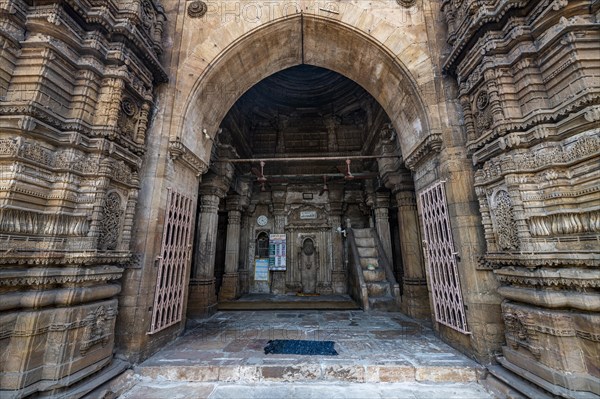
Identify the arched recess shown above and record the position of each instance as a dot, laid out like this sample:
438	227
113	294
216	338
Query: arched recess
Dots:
314	40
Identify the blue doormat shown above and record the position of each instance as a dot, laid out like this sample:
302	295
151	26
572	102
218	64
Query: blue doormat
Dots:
298	347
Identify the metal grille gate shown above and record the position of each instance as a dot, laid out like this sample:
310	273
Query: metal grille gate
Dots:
174	260
441	259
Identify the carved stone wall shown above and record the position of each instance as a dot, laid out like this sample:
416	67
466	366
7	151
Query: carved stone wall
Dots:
76	90
528	78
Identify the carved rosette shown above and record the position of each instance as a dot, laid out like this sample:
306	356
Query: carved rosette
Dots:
406	3
197	9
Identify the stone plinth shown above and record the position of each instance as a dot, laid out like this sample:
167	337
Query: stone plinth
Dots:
202	299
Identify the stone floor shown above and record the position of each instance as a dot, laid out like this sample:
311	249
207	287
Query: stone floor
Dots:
381	354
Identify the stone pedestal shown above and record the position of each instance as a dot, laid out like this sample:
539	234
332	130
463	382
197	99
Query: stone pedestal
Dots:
229	288
546	342
415	297
278	283
202	299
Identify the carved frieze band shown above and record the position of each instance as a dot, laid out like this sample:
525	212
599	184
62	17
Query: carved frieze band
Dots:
565	223
18	148
535	260
582	148
109	313
523	326
179	152
64	275
22	221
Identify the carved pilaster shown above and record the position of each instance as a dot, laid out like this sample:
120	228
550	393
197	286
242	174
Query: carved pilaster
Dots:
382	222
331	123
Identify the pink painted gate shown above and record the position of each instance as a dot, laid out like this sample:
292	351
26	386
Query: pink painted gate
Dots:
174	260
441	258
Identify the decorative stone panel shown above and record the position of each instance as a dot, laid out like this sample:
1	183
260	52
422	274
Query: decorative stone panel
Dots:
76	90
528	85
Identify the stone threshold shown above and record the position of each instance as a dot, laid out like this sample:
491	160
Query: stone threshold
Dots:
311	372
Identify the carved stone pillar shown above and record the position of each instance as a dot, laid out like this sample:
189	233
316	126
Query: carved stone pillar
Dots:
243	264
229	287
278	198
415	300
338	274
202	297
382	222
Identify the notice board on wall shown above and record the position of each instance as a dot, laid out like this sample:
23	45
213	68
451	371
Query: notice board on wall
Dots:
277	252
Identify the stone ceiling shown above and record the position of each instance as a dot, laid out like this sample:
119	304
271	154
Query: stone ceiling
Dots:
304	111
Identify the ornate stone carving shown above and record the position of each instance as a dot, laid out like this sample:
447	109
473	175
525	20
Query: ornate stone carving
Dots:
431	144
197	9
563	277
518	333
35	276
28	222
110	225
506	228
128	106
565	223
97	329
483	116
181	153
406	3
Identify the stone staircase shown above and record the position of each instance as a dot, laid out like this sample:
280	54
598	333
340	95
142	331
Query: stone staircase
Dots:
380	289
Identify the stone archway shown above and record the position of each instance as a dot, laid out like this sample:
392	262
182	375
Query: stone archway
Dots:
394	66
314	40
287	42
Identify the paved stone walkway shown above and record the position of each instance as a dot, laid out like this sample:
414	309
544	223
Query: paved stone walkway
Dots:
381	355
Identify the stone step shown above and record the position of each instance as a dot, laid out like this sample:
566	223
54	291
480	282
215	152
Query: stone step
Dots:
368	252
378	289
385	303
374	275
513	382
158	389
365	262
309	372
365	242
362	233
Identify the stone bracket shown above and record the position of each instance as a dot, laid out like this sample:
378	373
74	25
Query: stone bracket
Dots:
181	153
431	144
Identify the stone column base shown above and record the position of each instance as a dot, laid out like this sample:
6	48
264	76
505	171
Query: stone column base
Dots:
229	287
202	300
555	346
243	281
339	282
278	283
415	299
